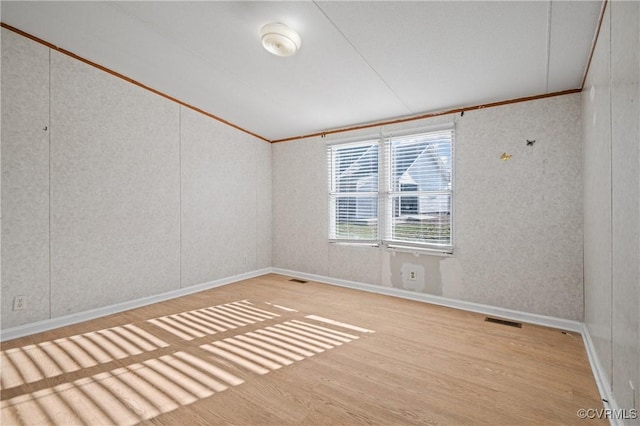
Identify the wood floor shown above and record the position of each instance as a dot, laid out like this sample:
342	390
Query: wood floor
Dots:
271	351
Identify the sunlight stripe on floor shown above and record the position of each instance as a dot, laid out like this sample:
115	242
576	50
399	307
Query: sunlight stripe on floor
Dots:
284	308
339	324
325	331
251	366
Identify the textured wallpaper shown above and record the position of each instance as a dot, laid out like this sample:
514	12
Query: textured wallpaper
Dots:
611	116
625	176
225	186
25	178
518	223
597	197
111	193
115	189
300	210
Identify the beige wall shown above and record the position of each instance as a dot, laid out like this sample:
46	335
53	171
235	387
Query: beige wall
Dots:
124	195
611	127
518	224
25	178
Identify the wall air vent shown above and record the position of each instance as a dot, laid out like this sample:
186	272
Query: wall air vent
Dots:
504	322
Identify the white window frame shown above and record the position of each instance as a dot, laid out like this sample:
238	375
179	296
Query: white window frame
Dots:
386	193
335	193
434	136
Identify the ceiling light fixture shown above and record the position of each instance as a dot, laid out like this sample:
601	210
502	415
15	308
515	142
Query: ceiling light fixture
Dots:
280	40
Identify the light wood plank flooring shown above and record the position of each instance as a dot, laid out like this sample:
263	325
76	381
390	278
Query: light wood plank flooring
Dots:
271	351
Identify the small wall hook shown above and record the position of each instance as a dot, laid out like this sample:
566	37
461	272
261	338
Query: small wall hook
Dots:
505	156
530	142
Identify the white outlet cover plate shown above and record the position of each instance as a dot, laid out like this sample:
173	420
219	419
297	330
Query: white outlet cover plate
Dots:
417	283
19	303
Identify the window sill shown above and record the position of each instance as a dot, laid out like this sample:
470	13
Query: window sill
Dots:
355	243
398	248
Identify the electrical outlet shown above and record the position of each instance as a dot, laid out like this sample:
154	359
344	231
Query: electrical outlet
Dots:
19	303
413	277
244	260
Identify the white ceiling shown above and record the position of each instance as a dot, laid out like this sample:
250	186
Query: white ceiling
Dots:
360	61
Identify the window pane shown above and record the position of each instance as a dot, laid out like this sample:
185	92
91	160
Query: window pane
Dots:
355	168
419	202
354	191
421	164
356	218
421	219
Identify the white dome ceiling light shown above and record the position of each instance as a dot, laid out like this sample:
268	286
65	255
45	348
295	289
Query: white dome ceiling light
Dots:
280	40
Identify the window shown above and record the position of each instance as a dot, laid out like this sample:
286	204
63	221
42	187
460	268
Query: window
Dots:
408	204
353	192
418	201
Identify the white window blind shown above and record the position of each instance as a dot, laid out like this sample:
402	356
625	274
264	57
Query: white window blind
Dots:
397	191
419	190
353	192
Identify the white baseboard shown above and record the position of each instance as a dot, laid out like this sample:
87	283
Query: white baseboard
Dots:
510	314
50	324
600	376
